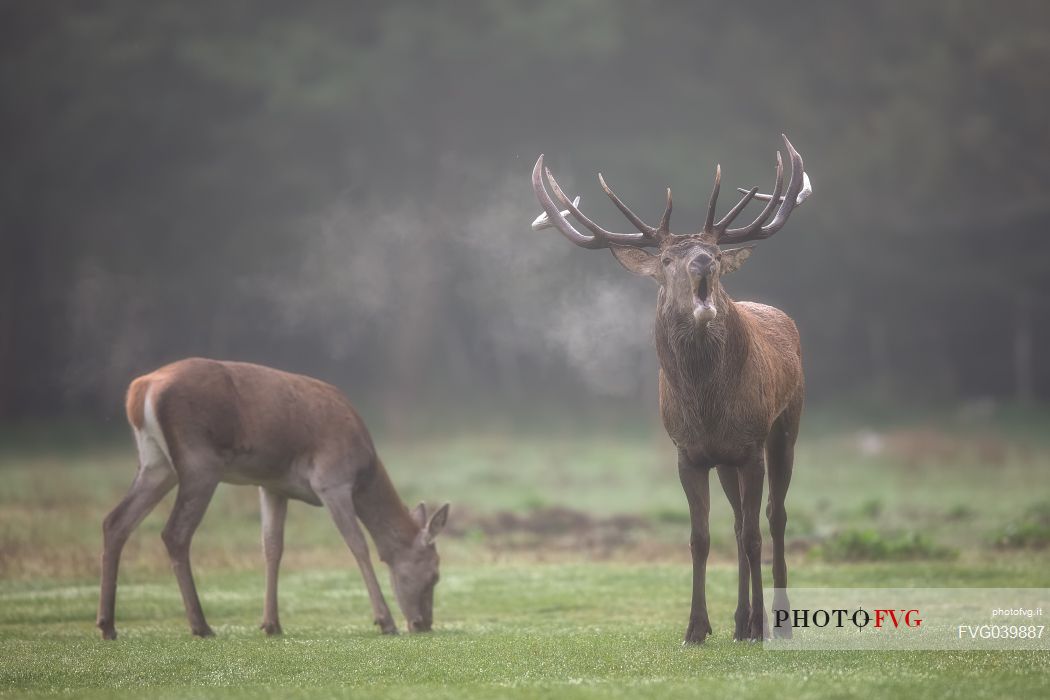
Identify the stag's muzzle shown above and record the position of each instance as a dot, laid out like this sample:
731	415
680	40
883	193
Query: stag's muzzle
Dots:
703	297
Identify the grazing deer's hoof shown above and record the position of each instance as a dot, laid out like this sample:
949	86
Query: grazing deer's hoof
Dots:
782	632
108	630
697	632
272	629
202	632
387	626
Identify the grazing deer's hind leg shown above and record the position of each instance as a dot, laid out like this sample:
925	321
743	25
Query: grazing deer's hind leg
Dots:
152	483
194	495
340	503
274	508
696	485
730	481
780	456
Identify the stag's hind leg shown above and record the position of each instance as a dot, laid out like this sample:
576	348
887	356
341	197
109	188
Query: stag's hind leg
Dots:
730	480
752	479
780	457
152	482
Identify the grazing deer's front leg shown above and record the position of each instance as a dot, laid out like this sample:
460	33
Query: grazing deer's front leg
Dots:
730	480
752	476
151	484
697	491
274	508
195	492
340	503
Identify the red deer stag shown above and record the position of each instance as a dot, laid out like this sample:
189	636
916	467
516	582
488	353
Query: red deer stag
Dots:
199	422
731	382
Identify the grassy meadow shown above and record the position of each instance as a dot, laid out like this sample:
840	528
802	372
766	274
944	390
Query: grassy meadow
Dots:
565	569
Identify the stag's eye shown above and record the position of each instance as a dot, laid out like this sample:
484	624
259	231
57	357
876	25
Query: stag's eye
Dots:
667	262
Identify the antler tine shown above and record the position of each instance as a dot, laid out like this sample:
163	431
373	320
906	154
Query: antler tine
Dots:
631	216
554	215
713	203
665	219
739	207
807	190
790	197
739	235
601	237
619	238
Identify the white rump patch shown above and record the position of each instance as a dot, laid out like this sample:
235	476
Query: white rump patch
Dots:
153	448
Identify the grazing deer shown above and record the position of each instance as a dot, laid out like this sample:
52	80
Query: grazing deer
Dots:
199	422
731	383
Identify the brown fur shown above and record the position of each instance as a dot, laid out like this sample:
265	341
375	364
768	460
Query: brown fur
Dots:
731	395
731	387
294	437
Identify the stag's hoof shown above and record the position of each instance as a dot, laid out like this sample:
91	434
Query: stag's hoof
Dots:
697	632
759	631
272	629
387	626
108	630
781	617
742	628
202	632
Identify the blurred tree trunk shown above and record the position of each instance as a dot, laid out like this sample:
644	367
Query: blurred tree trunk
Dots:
412	322
1024	374
879	353
7	330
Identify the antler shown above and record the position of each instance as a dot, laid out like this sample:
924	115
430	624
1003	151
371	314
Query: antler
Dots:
648	236
780	202
798	190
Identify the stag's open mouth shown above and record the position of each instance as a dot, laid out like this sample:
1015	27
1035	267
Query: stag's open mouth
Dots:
703	306
703	290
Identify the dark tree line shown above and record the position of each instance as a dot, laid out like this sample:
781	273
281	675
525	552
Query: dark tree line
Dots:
341	188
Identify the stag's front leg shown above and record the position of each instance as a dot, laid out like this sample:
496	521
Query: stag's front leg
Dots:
752	476
697	491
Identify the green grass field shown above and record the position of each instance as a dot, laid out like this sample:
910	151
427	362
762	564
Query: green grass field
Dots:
565	573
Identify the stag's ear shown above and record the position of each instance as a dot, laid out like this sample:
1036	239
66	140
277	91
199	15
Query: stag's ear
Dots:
636	260
419	514
437	522
733	259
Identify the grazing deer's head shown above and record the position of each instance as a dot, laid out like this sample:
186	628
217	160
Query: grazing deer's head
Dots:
688	267
414	571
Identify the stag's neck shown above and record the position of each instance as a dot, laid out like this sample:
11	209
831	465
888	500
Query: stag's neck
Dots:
700	358
384	515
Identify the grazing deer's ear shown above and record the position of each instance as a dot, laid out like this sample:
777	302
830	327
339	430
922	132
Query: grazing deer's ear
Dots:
733	259
636	260
419	514
437	522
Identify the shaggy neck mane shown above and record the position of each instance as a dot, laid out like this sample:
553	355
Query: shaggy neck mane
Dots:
697	359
